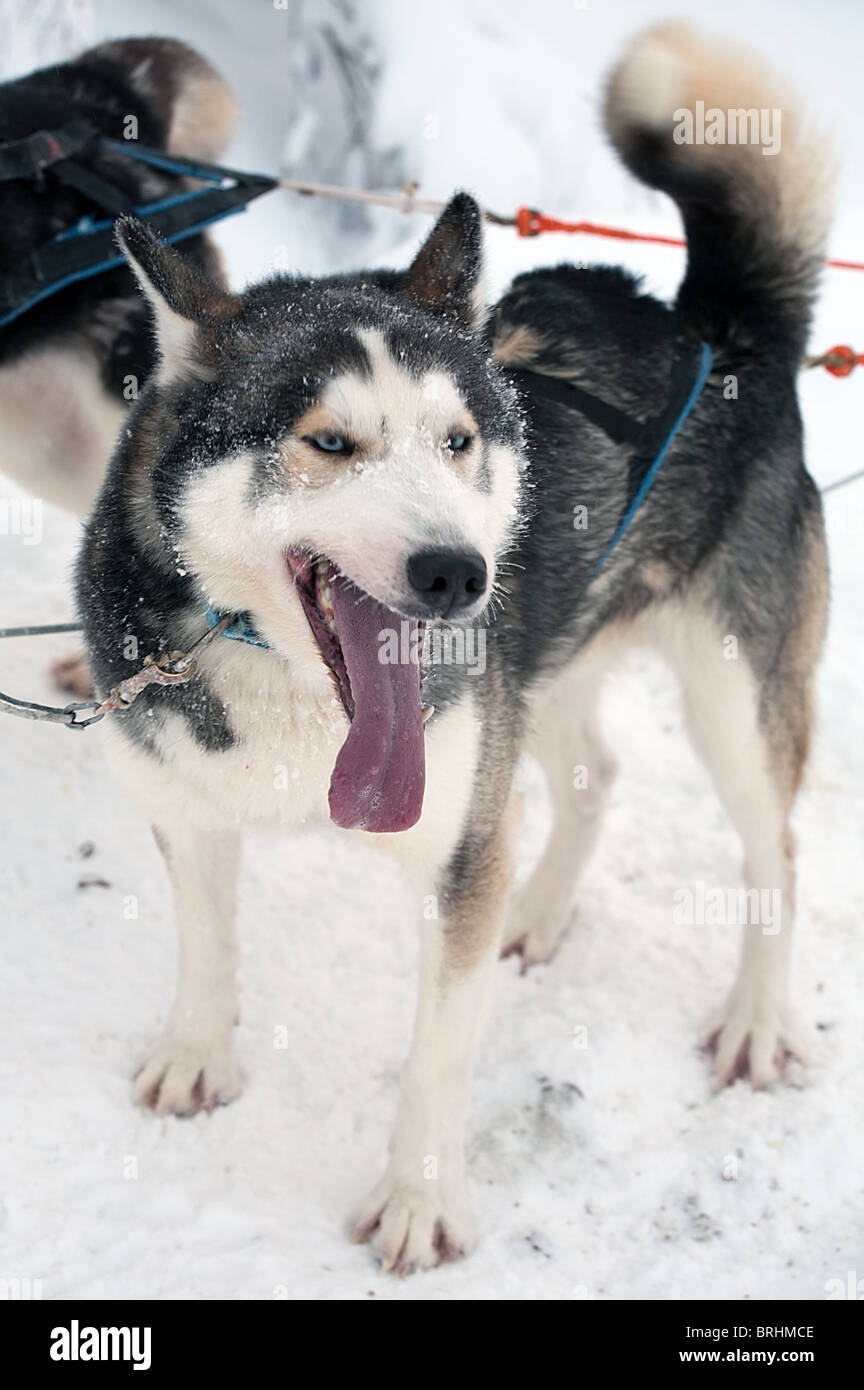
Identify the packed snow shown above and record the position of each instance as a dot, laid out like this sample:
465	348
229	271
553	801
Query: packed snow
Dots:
602	1165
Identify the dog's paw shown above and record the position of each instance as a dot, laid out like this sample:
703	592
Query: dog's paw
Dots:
755	1041
72	674
535	939
411	1226
185	1075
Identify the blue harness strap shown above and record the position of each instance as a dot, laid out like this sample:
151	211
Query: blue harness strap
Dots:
651	439
240	630
680	411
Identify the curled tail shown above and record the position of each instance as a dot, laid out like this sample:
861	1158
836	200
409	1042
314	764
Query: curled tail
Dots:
707	123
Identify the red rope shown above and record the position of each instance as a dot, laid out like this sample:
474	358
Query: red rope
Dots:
839	361
531	223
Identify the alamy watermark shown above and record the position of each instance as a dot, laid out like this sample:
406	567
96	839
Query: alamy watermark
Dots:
437	646
851	1288
20	1290
737	126
77	1343
22	516
704	906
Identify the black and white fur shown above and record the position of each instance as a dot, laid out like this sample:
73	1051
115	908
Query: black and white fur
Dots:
66	364
218	478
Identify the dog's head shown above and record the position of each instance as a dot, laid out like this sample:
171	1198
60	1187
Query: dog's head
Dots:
339	457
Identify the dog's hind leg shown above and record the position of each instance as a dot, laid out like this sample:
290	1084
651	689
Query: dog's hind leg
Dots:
191	1067
579	770
753	738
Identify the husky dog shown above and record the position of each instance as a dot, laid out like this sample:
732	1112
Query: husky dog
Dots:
342	459
63	363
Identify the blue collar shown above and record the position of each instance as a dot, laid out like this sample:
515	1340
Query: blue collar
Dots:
241	630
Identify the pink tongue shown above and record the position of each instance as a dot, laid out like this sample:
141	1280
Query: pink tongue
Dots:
380	773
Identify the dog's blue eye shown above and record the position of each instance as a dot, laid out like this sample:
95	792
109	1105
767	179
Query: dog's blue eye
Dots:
331	443
458	442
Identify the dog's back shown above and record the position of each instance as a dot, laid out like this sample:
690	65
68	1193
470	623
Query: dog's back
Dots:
69	364
733	504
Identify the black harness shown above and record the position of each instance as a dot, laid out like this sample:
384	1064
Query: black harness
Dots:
87	248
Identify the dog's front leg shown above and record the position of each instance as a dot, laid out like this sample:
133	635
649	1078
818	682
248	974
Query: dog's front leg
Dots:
418	1213
191	1067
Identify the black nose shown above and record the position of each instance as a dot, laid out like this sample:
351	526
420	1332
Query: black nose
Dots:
448	581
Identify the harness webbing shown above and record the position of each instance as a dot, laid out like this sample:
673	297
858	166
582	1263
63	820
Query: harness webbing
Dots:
685	390
619	426
88	248
652	438
28	158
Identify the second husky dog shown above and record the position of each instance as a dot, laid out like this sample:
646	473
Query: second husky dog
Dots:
66	364
341	461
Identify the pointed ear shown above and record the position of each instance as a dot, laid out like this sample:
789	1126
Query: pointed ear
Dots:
446	274
183	300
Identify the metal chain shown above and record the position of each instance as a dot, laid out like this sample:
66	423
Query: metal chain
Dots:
173	668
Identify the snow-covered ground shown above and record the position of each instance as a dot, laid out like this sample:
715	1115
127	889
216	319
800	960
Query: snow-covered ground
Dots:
601	1171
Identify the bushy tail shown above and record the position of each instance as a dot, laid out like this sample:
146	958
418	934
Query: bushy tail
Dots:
755	221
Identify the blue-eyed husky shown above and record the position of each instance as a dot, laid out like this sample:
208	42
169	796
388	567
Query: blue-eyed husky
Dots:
335	461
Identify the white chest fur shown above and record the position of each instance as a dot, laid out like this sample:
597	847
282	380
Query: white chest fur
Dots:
276	775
